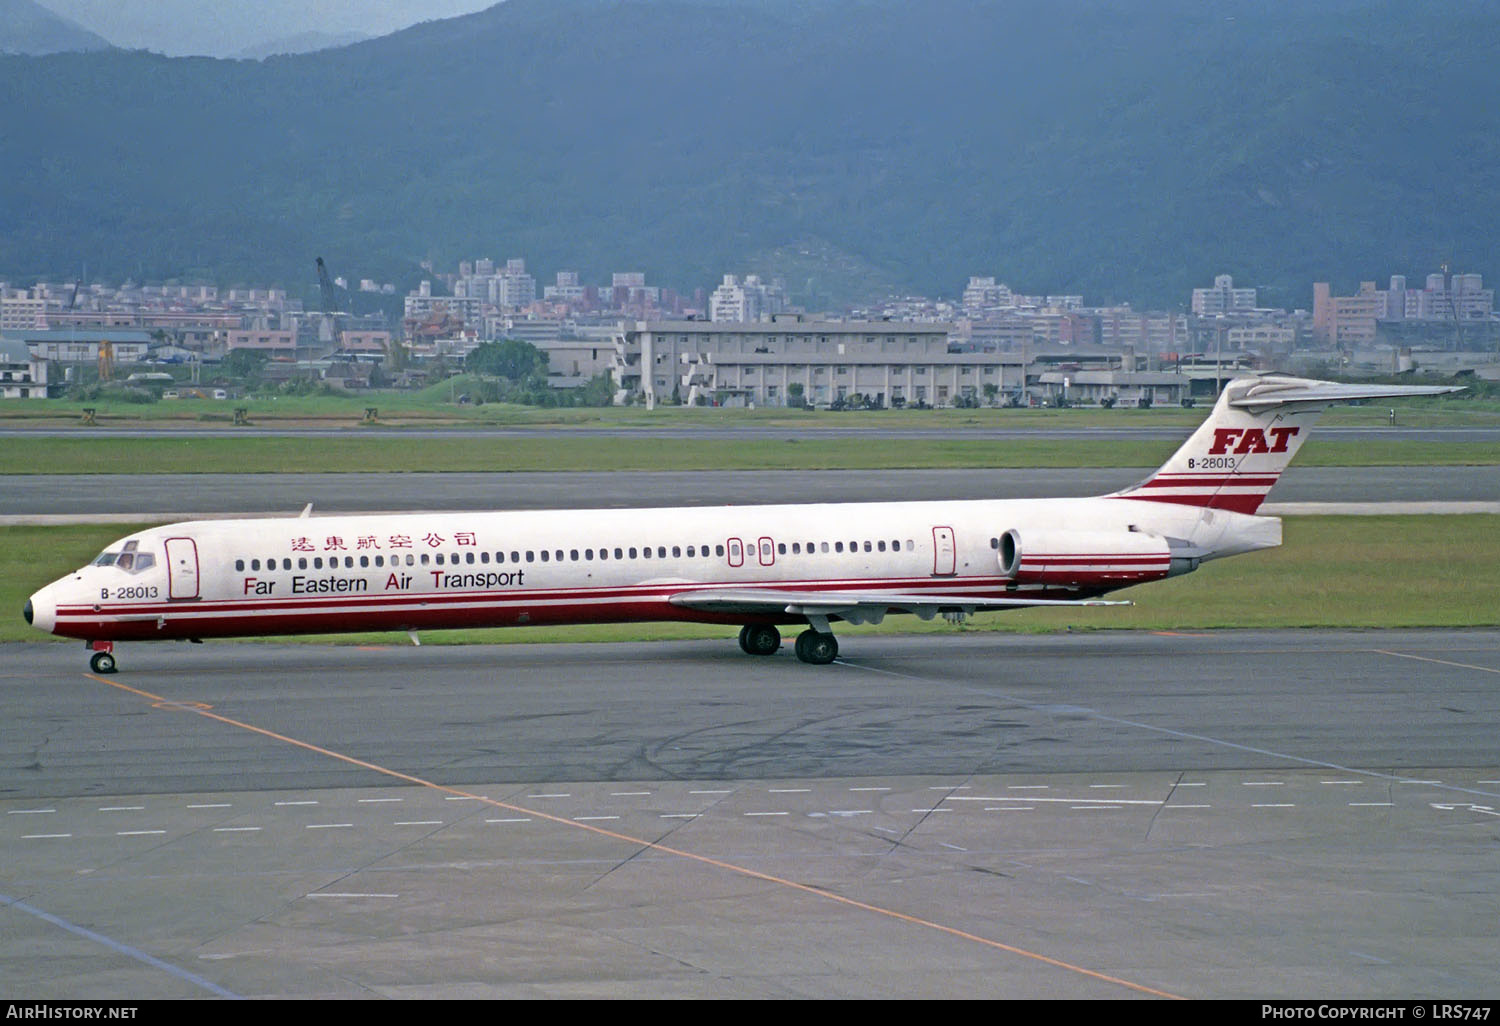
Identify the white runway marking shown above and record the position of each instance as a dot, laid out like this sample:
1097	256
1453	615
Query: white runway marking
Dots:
349	894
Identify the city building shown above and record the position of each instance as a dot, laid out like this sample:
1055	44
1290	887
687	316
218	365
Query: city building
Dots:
1223	298
750	300
70	345
790	360
22	374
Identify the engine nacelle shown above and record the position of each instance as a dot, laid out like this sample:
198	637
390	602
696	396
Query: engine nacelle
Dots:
1089	559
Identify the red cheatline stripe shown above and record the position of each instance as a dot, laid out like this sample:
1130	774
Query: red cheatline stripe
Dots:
1043	557
378	600
1235	503
1194	480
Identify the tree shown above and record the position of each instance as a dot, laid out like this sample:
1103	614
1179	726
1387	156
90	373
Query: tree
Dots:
600	391
245	364
508	358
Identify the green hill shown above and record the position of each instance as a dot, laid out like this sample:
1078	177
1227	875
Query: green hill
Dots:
1124	150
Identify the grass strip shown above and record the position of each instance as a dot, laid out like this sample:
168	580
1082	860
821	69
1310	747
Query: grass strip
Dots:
467	453
432	406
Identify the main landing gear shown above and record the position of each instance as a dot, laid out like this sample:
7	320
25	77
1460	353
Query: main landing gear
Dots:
817	647
813	646
759	639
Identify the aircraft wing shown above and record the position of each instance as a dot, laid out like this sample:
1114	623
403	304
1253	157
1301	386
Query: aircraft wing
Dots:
856	606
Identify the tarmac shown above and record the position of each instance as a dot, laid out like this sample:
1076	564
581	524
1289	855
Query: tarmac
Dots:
1257	814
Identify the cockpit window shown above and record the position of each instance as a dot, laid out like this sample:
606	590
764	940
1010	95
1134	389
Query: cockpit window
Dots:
129	559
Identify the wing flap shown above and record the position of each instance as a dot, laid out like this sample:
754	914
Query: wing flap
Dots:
852	604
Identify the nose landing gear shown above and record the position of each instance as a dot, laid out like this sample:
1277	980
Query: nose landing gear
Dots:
103	660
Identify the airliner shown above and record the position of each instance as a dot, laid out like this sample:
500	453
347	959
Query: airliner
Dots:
758	567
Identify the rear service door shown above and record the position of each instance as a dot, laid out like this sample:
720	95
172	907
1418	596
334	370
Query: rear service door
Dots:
182	568
944	555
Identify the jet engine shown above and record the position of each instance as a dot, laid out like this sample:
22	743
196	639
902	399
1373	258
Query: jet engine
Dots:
1091	559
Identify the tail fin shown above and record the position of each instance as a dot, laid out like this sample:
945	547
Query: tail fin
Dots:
1255	429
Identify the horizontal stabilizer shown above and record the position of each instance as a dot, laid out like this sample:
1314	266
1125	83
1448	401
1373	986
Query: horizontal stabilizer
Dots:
1271	392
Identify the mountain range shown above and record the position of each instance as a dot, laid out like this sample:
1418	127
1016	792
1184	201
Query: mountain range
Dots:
26	27
1127	150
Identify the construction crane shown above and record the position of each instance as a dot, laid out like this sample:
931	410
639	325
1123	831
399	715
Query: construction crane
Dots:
334	320
325	286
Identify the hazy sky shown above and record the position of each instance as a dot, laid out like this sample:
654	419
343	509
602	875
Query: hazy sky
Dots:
222	27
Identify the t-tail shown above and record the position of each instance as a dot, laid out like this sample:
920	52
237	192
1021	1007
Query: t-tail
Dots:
1235	457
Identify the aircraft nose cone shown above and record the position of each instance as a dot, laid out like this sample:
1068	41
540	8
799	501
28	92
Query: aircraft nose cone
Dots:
41	611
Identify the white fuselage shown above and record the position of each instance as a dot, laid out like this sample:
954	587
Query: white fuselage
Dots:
440	570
